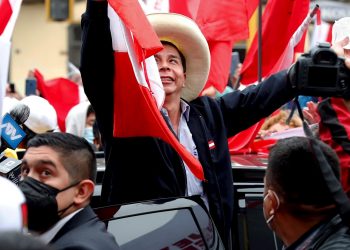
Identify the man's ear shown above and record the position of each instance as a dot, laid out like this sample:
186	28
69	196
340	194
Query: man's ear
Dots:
274	201
85	189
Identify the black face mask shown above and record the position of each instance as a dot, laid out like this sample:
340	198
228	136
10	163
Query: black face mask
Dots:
42	204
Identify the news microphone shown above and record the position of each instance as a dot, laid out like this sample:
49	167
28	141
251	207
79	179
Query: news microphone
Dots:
20	113
10	168
11	133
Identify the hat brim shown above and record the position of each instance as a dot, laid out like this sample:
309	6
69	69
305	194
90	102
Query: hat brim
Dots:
184	33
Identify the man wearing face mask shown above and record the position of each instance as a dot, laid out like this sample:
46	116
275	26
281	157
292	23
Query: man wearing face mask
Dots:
297	204
58	176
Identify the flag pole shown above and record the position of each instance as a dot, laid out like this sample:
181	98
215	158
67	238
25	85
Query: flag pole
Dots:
260	41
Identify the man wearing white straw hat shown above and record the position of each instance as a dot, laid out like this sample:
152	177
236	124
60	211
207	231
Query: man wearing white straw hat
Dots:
147	168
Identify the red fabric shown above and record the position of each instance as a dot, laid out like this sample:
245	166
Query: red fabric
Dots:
5	14
279	22
240	142
329	35
251	7
223	23
342	119
134	18
220	53
188	8
61	93
132	98
318	17
135	111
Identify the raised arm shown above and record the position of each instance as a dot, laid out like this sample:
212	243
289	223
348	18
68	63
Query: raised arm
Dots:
97	63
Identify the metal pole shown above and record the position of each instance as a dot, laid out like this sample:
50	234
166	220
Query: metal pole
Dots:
260	41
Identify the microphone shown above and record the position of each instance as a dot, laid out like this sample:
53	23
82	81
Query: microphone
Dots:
11	133
10	168
11	136
20	113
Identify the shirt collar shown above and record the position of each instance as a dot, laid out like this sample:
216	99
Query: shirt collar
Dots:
185	110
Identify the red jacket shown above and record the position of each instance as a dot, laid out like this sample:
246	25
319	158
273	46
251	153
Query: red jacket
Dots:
335	131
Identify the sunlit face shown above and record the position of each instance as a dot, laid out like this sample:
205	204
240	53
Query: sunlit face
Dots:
171	70
43	164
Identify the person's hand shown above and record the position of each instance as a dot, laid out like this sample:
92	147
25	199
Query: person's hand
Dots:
210	91
263	133
310	113
338	47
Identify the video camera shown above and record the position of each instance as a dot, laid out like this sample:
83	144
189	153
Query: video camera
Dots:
321	73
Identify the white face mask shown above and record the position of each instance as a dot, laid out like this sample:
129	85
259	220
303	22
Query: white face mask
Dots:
89	135
268	220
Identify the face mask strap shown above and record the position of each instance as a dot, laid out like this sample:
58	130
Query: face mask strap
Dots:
70	186
278	204
62	211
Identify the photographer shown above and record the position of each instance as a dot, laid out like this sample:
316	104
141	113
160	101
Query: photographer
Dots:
333	114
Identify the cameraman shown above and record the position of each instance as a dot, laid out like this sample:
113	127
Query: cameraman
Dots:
333	114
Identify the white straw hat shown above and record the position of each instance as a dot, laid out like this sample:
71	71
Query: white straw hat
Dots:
184	33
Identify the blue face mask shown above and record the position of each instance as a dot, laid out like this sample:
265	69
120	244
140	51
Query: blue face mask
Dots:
89	135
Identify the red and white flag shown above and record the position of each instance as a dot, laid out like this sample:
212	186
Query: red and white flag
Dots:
9	10
243	141
138	91
279	22
288	55
321	33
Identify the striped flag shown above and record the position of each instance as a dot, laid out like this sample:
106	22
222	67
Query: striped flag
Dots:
279	22
9	10
244	141
252	14
138	91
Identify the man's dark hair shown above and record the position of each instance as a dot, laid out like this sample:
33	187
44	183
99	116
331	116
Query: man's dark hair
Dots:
182	57
294	172
75	152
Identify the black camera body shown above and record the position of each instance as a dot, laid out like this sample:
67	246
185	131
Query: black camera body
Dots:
321	73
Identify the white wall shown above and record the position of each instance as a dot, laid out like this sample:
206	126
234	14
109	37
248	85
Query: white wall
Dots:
39	43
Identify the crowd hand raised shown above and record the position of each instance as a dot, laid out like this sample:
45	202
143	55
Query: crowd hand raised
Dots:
341	52
310	113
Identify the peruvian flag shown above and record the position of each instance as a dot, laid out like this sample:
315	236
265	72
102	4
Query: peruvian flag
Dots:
138	91
321	33
244	141
287	57
53	90
279	22
9	10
